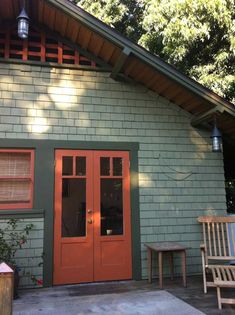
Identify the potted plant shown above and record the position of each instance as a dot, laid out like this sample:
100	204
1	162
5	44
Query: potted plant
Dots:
11	239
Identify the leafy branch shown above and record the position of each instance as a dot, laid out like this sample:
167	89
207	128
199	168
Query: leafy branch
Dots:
11	239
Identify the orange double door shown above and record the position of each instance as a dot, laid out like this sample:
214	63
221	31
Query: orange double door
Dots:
92	219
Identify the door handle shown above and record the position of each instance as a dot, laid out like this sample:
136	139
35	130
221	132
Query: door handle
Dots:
89	221
89	211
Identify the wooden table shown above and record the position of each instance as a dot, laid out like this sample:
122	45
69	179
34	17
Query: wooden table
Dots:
170	248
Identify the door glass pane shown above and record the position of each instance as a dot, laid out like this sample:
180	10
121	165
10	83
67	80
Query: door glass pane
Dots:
73	207
67	165
117	166
111	205
80	166
105	166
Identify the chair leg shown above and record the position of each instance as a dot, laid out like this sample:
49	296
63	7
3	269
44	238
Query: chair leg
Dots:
204	280
219	298
204	273
171	261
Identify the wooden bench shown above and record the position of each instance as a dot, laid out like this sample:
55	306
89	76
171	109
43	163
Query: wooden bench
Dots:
218	251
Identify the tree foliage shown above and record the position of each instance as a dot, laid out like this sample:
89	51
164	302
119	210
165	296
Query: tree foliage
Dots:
123	15
196	36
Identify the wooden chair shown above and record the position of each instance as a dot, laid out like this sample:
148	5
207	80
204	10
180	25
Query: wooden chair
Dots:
218	244
224	277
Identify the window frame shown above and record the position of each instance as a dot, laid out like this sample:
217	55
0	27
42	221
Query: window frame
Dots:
22	205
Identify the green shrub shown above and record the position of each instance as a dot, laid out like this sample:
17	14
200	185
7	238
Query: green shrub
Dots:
11	239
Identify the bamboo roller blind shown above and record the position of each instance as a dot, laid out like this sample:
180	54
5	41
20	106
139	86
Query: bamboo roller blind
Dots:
15	177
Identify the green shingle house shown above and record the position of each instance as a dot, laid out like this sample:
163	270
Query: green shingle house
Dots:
103	147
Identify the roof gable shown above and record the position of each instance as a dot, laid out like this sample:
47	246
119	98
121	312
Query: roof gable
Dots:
125	59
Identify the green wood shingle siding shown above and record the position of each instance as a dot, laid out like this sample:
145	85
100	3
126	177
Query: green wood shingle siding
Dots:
179	177
29	257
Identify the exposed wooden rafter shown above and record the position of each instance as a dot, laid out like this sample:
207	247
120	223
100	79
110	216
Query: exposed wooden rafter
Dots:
83	51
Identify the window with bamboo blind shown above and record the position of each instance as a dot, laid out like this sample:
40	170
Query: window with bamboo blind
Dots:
16	179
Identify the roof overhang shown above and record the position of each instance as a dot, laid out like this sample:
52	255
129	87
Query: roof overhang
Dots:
125	59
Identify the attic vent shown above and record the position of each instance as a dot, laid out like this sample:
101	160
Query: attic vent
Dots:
39	47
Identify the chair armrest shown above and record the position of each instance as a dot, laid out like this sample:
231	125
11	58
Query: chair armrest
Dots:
203	247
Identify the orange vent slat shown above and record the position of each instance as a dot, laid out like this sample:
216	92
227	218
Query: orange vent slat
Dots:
39	47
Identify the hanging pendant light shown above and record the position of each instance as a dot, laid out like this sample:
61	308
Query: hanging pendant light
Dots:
216	139
23	24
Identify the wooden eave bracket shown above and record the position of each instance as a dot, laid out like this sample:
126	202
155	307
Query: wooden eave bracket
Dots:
120	63
206	116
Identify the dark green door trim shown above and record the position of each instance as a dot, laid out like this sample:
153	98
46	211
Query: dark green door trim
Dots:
21	213
135	215
44	191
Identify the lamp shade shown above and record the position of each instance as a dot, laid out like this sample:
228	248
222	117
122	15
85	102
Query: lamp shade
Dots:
216	140
23	24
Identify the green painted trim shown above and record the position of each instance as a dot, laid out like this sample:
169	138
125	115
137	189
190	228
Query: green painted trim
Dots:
206	116
44	198
55	65
67	144
135	216
44	190
120	63
21	213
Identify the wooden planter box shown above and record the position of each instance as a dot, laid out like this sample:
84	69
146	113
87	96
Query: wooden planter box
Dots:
6	289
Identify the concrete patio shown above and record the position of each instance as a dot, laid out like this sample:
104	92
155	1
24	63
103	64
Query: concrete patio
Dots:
125	297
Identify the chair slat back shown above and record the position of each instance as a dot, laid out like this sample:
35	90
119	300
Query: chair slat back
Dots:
229	249
223	273
223	238
232	239
219	238
218	235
